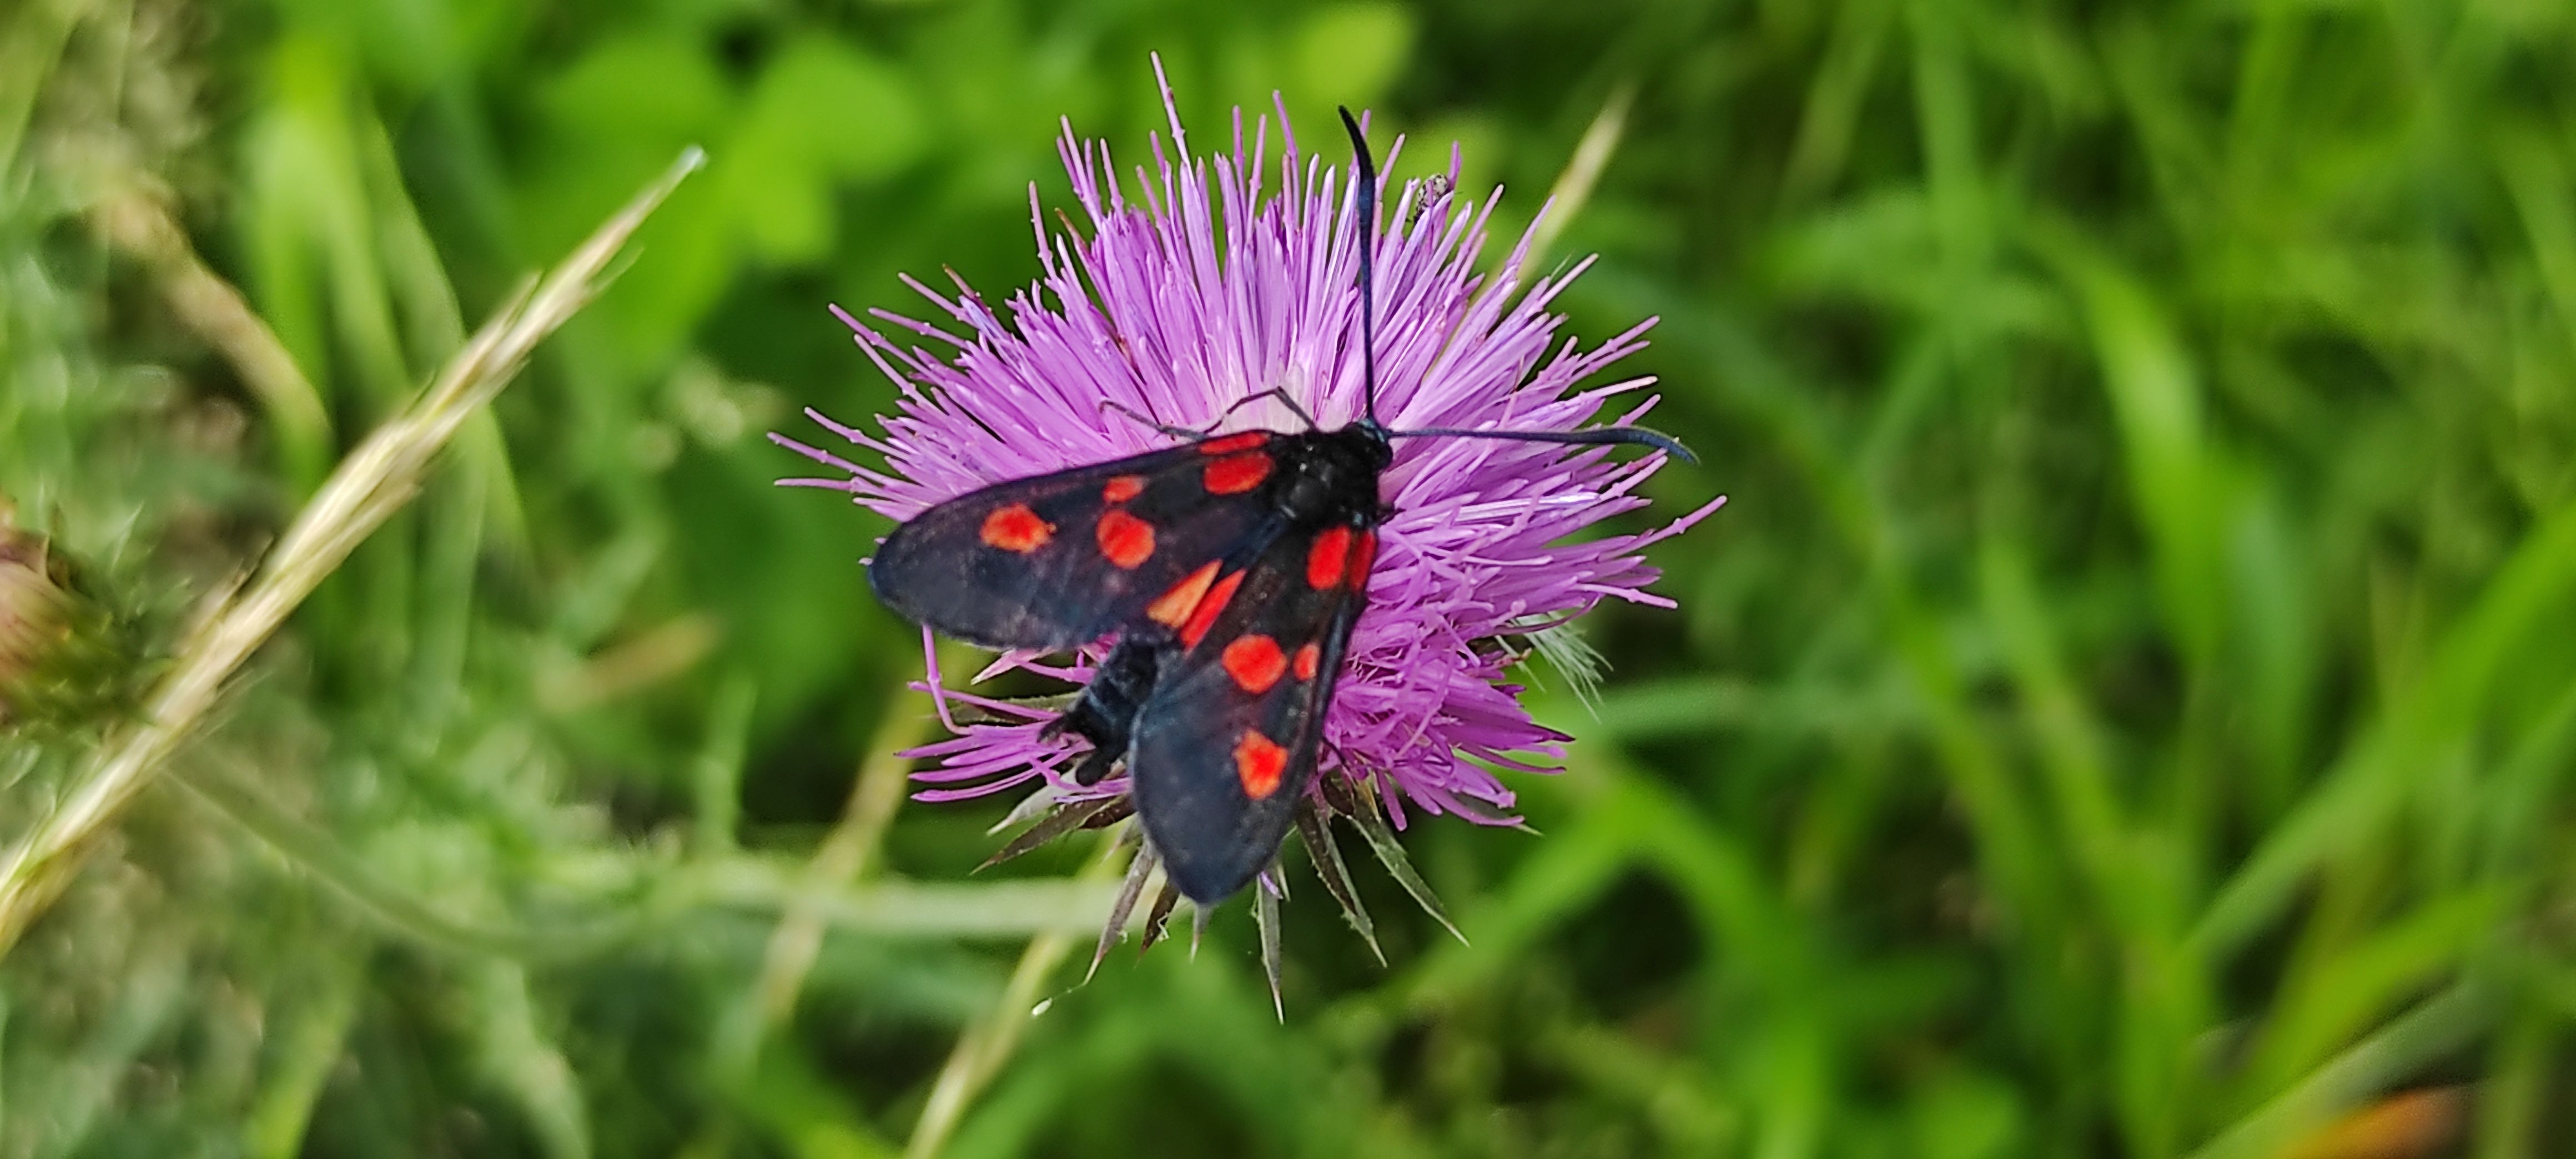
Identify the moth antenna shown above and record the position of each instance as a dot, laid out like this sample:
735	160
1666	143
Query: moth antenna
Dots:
1366	183
1596	436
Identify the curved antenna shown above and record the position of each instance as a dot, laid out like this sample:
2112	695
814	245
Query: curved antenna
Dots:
1590	437
1365	182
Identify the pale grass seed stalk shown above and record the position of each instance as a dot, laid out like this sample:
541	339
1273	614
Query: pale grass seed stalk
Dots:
373	482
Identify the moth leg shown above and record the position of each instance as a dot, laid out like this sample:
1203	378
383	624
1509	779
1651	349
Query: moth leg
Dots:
1178	432
1279	393
1146	420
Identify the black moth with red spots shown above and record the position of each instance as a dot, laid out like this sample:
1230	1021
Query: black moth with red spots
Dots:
1230	570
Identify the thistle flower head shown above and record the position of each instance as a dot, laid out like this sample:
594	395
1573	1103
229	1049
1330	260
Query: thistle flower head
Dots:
1215	278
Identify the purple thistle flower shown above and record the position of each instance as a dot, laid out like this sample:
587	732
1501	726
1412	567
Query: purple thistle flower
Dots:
1211	288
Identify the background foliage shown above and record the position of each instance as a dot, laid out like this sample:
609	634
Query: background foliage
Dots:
2127	709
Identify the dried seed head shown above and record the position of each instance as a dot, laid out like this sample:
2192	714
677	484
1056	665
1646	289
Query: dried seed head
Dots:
35	612
66	663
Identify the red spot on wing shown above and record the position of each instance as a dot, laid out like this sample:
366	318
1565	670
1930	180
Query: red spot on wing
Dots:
1308	658
1258	763
1123	488
1236	474
1362	556
1204	615
1125	539
1255	662
1172	608
1228	445
1016	528
1329	558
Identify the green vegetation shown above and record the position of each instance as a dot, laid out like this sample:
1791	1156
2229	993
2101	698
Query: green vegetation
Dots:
2127	710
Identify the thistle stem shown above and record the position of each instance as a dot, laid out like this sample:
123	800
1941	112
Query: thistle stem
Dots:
981	1051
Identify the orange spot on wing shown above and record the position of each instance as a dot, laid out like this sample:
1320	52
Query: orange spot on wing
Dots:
1123	488
1258	763
1232	443
1308	658
1125	539
1172	608
1204	615
1016	528
1329	558
1255	662
1236	474
1362	557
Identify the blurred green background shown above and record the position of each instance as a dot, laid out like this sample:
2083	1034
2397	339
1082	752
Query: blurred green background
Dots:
2126	710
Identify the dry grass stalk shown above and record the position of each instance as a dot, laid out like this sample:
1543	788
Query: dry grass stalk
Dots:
370	484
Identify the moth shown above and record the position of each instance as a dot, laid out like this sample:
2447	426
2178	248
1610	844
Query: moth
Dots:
1229	568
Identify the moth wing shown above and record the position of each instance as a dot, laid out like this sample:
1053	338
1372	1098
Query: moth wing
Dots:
1059	560
1227	743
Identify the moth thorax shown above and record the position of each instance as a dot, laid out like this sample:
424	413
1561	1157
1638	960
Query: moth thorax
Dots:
1335	474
